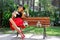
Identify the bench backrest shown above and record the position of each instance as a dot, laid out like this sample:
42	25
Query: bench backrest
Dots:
32	21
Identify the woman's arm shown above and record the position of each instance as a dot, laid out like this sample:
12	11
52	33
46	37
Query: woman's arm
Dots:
14	14
15	26
23	15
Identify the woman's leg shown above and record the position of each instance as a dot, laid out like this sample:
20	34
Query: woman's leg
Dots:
16	28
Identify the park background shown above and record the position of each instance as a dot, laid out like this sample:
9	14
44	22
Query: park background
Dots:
35	8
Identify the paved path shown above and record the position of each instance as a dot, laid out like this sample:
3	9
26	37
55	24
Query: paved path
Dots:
28	37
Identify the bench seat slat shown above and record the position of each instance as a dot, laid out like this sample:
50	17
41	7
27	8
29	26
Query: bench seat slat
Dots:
33	20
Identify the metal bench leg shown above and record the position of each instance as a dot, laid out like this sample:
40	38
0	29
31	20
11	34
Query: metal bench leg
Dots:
17	34
44	33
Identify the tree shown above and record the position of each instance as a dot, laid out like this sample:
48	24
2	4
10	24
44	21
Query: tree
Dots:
39	6
1	11
18	1
7	7
48	6
22	2
33	4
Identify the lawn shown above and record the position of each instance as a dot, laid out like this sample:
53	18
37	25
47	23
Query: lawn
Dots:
54	31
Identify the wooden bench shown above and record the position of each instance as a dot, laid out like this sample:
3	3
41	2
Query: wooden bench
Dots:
32	21
44	21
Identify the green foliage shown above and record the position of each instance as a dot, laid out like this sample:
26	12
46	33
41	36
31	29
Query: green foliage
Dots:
26	6
39	14
32	14
7	7
48	6
48	9
6	16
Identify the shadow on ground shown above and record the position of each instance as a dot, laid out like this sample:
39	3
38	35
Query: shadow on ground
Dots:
17	38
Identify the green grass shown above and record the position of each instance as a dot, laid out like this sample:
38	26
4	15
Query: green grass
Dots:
54	31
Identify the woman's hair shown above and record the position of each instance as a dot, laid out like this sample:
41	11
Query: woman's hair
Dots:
21	6
19	15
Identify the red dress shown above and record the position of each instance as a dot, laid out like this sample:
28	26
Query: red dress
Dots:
19	22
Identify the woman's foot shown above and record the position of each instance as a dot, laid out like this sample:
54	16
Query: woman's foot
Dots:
22	36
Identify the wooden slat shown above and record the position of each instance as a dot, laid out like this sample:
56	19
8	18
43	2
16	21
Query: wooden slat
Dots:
34	20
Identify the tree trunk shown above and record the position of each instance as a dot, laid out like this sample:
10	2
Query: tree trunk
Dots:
1	12
18	1
33	4
0	18
55	3
30	3
39	6
23	2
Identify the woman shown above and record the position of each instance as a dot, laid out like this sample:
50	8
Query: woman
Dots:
16	22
